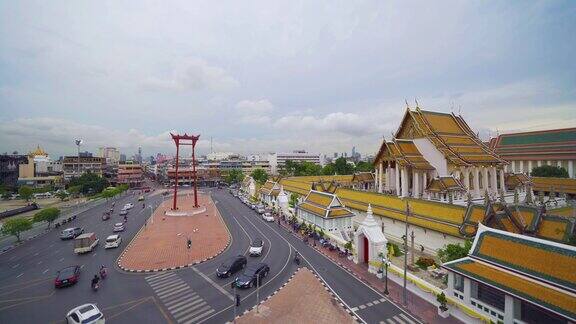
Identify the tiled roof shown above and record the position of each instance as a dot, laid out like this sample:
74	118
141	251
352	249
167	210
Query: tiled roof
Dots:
533	269
324	205
513	180
538	145
558	184
567	211
363	177
269	187
556	228
445	184
556	300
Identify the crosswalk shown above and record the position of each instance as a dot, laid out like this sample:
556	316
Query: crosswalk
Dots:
178	298
400	318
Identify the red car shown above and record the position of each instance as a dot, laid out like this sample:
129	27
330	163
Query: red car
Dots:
67	276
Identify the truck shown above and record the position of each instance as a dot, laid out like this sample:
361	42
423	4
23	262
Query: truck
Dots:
85	243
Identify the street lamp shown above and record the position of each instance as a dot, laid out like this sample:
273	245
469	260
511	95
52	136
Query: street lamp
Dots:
78	143
385	263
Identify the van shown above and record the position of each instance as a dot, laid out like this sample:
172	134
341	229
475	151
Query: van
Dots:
85	243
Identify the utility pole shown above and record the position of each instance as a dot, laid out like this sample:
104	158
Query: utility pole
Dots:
257	292
405	252
412	248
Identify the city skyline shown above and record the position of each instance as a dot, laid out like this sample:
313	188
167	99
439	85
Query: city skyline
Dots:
263	77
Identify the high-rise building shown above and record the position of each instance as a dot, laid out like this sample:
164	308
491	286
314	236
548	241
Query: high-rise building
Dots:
122	158
111	154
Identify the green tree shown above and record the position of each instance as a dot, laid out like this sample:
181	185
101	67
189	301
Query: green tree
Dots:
293	200
342	166
62	194
74	190
48	215
259	175
452	252
15	226
234	176
362	166
25	192
311	169
329	169
549	171
90	183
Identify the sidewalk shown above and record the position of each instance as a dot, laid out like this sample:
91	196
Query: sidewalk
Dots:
416	305
162	243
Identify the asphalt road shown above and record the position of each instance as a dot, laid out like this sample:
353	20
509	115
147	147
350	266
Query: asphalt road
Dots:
189	295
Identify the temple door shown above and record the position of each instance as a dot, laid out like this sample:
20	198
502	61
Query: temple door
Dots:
366	247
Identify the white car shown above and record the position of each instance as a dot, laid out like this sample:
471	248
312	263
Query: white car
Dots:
85	314
268	217
128	206
113	241
256	247
118	227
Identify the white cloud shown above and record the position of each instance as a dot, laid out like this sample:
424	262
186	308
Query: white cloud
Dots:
262	106
339	122
194	75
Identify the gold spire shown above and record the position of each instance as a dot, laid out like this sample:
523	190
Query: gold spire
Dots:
38	152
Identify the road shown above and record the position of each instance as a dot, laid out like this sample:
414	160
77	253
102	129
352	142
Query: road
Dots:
189	295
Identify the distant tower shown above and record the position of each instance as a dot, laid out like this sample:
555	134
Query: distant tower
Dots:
353	151
140	154
211	150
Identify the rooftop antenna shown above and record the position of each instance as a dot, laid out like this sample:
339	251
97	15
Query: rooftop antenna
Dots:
459	109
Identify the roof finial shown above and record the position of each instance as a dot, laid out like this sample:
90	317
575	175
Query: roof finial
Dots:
416	102
407	105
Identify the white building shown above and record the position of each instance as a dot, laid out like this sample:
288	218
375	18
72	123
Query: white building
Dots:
278	160
327	212
512	278
218	156
111	154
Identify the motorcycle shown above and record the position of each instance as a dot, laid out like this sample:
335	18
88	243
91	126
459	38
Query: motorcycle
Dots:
103	273
95	287
297	259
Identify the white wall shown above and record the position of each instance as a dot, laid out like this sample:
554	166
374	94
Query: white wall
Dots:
432	155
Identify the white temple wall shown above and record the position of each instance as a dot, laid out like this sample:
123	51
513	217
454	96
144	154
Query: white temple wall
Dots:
432	155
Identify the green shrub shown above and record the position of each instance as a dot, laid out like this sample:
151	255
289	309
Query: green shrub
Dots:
396	249
424	263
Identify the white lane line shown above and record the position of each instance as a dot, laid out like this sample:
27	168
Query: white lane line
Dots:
171	287
40	262
35	254
406	318
93	255
157	280
166	294
178	302
178	297
61	260
181	315
15	266
82	266
20	275
162	274
188	307
217	286
201	311
12	258
45	271
195	319
164	282
56	251
51	245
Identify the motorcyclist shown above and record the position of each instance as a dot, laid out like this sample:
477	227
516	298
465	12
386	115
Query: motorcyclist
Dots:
95	281
143	205
103	272
297	258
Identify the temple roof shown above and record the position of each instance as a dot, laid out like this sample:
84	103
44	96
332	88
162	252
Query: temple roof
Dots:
363	177
270	188
449	133
514	180
406	153
537	145
325	205
38	152
566	185
529	268
445	184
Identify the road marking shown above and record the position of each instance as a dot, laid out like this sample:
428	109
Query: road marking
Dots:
12	258
82	266
35	254
57	251
189	306
61	260
179	303
406	318
171	286
45	271
210	281
194	311
51	245
170	293
195	319
15	266
93	255
20	275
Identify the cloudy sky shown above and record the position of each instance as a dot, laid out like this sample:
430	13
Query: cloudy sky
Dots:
261	76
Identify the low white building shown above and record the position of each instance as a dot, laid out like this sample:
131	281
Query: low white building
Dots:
513	278
277	161
268	193
327	212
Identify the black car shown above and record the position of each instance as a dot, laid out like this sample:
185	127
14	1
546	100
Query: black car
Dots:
67	276
231	266
253	274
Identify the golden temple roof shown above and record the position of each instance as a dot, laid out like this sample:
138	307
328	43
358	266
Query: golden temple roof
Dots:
38	152
325	205
529	268
445	184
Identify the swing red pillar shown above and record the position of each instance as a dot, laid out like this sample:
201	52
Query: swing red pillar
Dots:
193	139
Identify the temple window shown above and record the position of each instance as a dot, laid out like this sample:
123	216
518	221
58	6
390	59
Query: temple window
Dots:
458	282
491	296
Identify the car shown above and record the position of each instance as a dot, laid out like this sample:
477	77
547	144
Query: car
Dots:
256	247
67	276
268	217
123	212
128	206
113	241
252	276
253	206
71	233
260	210
85	314
118	227
141	198
231	266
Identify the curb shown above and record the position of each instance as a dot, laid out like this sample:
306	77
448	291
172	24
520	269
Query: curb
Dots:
176	267
348	311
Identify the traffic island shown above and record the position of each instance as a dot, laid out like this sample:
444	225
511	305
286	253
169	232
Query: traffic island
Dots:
162	244
303	299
